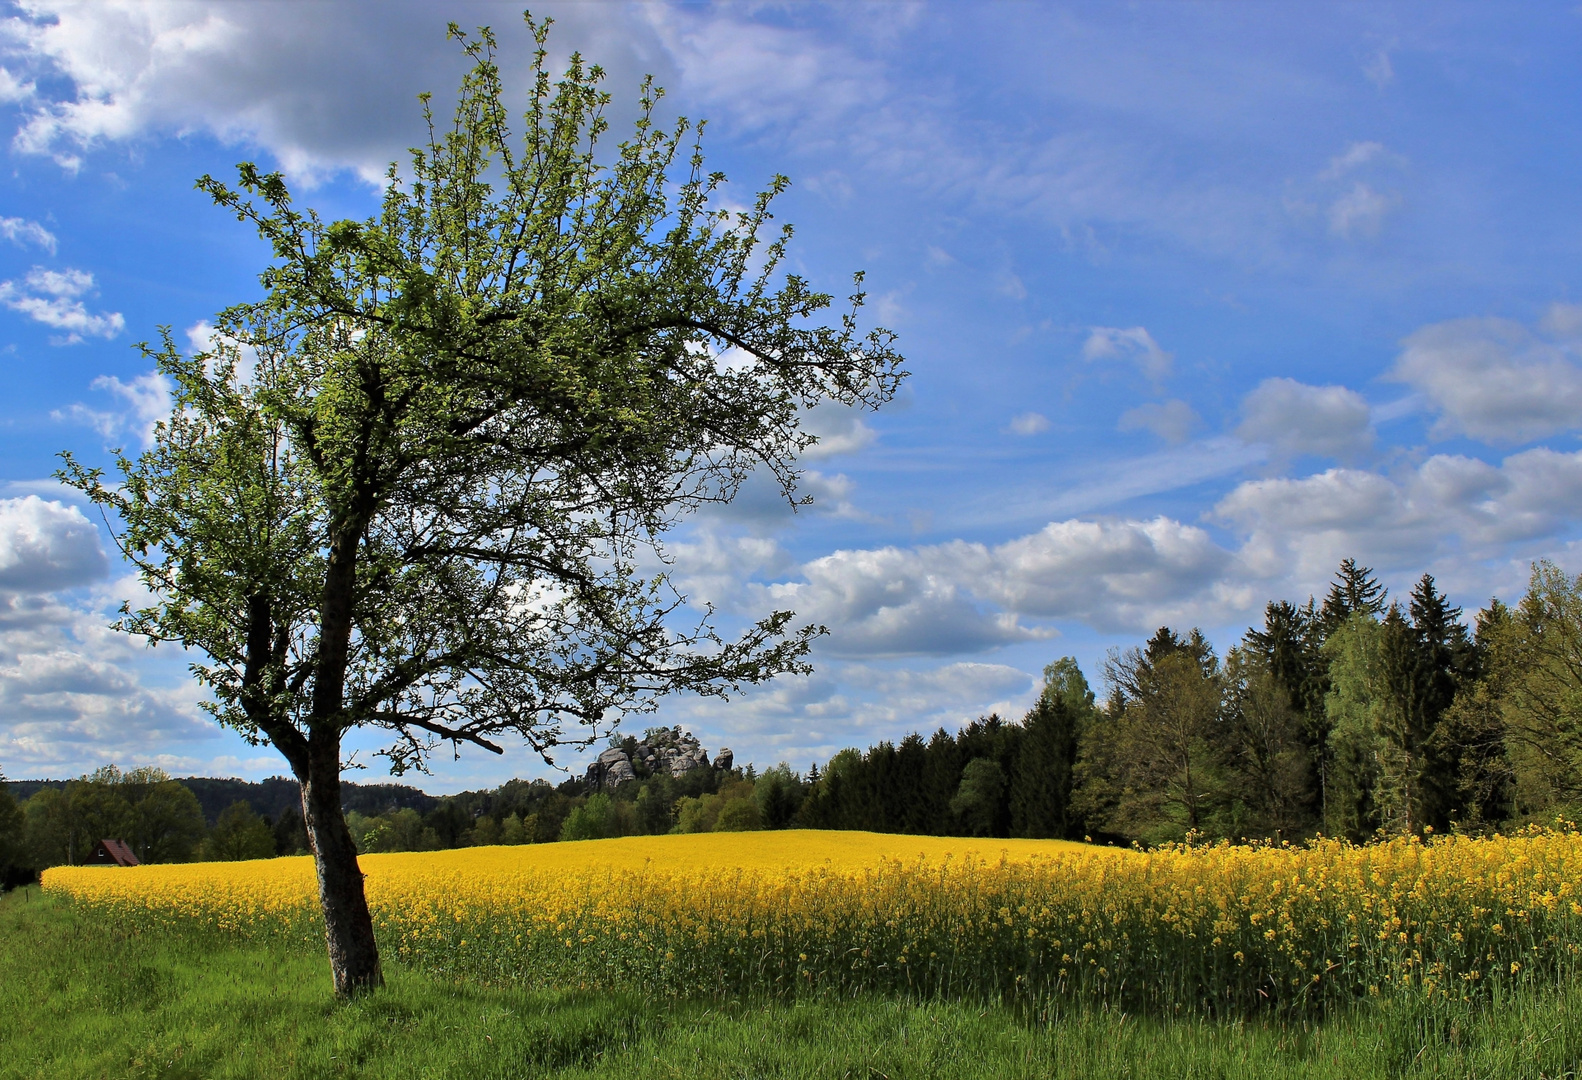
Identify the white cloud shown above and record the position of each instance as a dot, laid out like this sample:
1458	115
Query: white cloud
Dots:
840	430
75	694
1494	380
1353	157
1172	420
1134	345
963	597
1563	320
1029	423
1295	418
1011	285
147	399
53	297
45	546
897	602
13	89
1378	69
1450	510
22	232
1361	211
851	704
322	88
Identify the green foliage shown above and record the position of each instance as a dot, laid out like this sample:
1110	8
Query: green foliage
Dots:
239	834
512	831
979	798
15	866
159	817
777	793
167	822
1043	773
596	819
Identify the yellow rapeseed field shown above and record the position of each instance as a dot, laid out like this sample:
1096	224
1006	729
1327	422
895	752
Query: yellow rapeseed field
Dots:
1221	927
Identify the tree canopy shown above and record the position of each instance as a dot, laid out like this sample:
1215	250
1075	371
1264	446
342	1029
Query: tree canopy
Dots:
422	484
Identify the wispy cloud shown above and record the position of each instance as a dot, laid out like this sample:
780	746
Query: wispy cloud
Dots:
22	232
54	298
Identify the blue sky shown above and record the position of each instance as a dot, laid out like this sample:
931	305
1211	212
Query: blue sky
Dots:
1198	299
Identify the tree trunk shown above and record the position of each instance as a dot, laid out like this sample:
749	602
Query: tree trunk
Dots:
348	927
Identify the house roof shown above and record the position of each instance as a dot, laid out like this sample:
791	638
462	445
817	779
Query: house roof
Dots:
117	852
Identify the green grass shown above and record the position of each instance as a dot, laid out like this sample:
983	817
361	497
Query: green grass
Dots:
78	1001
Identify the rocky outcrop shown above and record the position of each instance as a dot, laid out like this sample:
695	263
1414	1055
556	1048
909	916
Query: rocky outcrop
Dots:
663	751
724	759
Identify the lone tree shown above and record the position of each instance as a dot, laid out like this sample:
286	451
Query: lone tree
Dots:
422	485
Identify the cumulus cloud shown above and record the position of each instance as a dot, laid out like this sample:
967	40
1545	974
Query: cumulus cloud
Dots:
54	298
1172	420
1352	158
847	703
1493	379
1134	345
46	546
73	693
1295	418
23	232
963	597
1563	320
840	430
333	87
897	602
1449	506
1351	193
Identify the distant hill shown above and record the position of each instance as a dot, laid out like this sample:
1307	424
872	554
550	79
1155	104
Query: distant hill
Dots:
272	797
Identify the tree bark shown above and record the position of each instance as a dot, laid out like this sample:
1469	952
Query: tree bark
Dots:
348	926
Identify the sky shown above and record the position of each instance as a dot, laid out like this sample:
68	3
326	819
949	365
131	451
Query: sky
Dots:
1197	300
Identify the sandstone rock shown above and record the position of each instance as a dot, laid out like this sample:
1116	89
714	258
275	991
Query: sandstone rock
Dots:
611	770
723	760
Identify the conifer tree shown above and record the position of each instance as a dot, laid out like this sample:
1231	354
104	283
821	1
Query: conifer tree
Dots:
1354	591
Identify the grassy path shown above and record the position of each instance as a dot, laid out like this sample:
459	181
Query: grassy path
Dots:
77	1001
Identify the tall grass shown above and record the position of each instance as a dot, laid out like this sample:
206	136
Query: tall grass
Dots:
79	998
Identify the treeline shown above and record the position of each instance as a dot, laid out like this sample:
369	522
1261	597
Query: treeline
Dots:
1355	717
58	822
1352	717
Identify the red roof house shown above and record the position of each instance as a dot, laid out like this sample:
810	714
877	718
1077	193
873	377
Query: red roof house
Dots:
112	853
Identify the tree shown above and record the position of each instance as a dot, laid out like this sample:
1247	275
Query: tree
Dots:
778	793
417	486
1541	699
167	822
1355	697
1041	778
1156	764
978	802
240	834
1355	591
1472	730
1265	745
13	857
1290	646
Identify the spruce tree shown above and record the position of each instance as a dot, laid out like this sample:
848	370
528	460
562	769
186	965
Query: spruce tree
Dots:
1041	777
1354	591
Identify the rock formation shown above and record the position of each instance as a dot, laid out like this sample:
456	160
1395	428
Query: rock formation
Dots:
667	751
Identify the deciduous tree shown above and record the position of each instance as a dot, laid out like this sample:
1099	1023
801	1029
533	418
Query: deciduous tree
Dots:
422	485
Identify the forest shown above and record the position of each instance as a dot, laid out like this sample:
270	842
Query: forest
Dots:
1357	716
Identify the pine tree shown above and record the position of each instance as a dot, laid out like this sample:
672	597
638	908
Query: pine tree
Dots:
1354	591
1290	646
1041	777
1443	662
